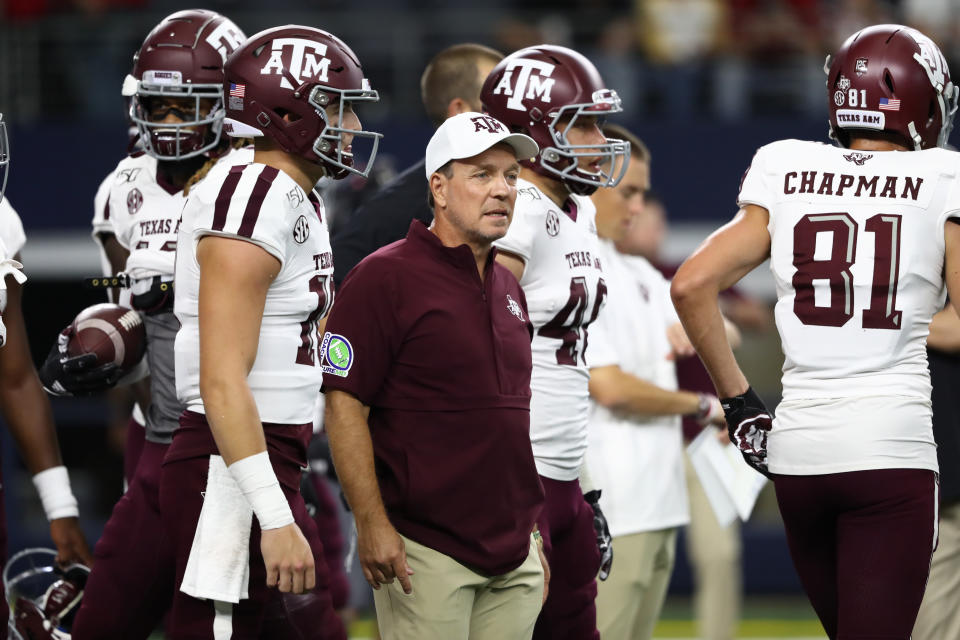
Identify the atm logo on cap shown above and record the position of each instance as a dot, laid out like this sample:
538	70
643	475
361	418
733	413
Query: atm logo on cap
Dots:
486	123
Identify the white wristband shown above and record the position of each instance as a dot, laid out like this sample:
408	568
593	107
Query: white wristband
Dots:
53	485
259	484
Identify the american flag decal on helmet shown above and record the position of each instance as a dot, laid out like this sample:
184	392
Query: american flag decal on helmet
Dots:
237	90
893	104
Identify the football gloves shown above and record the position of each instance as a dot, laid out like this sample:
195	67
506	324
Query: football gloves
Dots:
66	375
604	539
748	423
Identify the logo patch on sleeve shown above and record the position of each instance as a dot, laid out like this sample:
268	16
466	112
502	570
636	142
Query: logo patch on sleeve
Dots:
336	355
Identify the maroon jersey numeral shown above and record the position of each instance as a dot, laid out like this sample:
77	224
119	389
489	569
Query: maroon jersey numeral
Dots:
835	269
883	313
568	325
319	285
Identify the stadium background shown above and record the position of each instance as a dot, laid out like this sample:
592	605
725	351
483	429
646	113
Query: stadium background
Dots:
703	82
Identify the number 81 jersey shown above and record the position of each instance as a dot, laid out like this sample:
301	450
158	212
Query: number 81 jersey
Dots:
563	283
857	253
262	205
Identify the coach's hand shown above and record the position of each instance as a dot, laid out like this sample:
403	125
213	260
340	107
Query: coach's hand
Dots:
288	558
70	543
748	423
382	554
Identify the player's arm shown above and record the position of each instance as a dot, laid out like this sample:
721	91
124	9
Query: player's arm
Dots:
951	261
512	262
116	253
234	278
27	411
117	256
380	548
622	392
726	256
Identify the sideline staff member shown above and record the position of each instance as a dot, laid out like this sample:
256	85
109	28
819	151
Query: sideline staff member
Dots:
426	365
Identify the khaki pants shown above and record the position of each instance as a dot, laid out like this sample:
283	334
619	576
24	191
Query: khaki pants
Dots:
451	602
714	553
939	617
630	600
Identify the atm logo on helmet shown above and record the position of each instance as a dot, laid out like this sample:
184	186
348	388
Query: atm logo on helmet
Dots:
532	81
225	38
307	61
931	59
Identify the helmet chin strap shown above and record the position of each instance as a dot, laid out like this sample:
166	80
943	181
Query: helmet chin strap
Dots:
917	140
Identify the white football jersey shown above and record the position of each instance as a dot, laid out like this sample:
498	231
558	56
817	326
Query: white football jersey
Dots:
101	222
143	212
857	254
563	284
262	205
637	461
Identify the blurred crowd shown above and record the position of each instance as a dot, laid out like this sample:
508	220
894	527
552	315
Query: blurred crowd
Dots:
669	59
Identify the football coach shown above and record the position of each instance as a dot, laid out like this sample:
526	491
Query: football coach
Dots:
426	368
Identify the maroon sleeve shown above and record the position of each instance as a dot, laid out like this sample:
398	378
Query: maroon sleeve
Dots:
362	333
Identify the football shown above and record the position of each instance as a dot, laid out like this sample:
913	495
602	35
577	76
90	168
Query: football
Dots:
114	333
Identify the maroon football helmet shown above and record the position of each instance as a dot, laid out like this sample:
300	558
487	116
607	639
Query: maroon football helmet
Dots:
182	57
4	156
892	78
45	597
300	72
536	88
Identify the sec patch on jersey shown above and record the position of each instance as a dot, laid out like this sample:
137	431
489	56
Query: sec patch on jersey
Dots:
113	333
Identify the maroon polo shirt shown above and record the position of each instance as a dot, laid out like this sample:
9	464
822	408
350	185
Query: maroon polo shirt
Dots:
443	361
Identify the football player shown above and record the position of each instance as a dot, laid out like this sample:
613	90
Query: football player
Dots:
556	96
253	280
862	240
175	91
25	407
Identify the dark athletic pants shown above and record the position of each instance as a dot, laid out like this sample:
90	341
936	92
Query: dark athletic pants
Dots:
861	543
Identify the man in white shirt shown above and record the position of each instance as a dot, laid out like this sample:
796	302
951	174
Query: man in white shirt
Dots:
635	451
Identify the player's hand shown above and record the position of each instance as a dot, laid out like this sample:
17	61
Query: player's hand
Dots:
70	543
602	529
65	375
680	345
748	423
382	554
288	558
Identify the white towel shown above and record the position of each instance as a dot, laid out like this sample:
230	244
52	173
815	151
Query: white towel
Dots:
219	564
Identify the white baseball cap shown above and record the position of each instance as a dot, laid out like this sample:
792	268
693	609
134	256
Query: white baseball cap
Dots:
468	134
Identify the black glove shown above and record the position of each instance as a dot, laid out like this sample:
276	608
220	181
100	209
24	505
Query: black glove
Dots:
604	539
65	375
748	423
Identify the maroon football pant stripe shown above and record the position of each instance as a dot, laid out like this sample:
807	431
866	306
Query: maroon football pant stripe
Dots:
132	448
861	543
